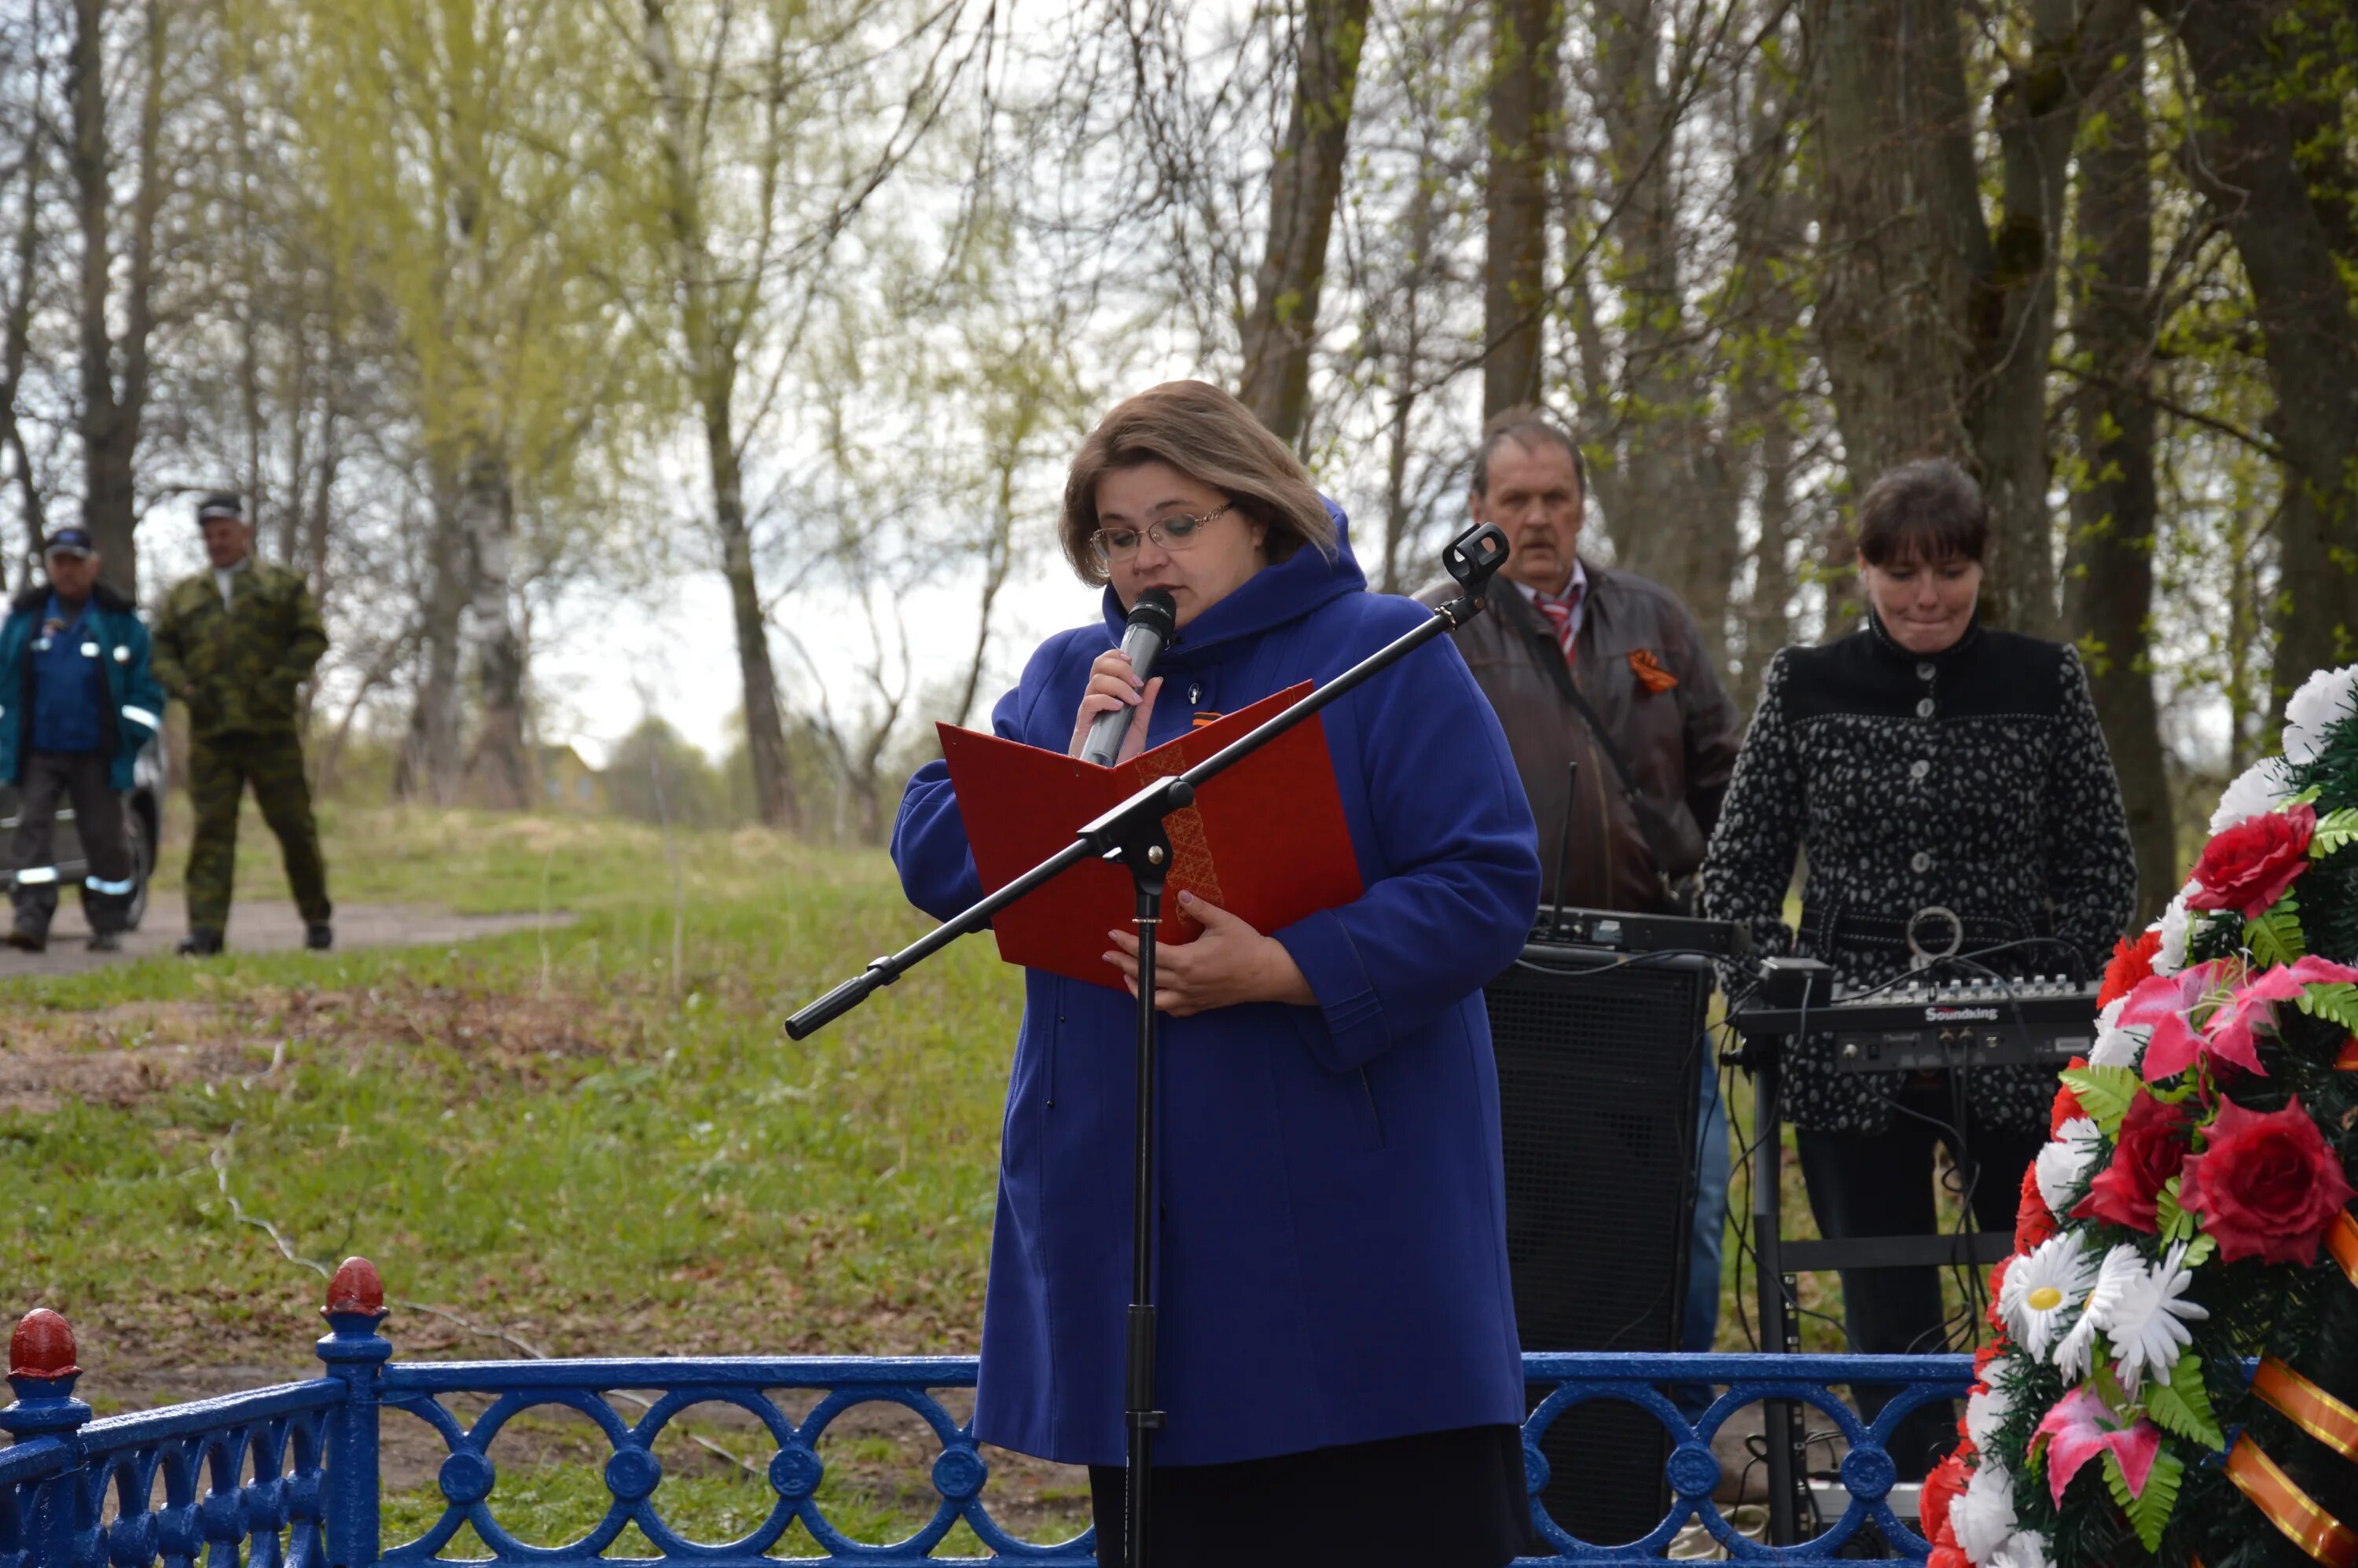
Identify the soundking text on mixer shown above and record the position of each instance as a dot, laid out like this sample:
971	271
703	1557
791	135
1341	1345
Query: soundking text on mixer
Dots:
2040	1022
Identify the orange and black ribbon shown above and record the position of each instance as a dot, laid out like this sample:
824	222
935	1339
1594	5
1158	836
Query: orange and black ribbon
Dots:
2341	1242
2307	1407
2348	1061
2325	1539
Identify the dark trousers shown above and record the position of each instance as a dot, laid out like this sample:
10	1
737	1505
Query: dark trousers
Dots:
1880	1183
81	777
220	767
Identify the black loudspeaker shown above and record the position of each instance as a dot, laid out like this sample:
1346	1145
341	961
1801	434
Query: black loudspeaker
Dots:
1600	1064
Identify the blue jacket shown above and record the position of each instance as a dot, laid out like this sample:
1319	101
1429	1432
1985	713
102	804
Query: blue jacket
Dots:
1333	1260
115	636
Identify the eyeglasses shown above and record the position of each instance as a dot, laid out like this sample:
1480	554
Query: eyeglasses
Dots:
1173	533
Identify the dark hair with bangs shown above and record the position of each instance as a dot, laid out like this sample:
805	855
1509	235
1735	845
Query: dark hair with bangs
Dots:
1929	512
1204	432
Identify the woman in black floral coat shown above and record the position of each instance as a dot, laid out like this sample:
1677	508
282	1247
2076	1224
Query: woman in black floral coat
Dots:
1948	784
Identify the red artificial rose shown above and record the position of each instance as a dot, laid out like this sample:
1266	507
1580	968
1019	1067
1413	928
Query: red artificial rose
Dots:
2266	1187
2034	1222
1945	1486
2132	962
2151	1146
2247	866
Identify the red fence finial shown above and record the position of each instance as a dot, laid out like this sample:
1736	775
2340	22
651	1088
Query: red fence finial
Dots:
356	1289
42	1347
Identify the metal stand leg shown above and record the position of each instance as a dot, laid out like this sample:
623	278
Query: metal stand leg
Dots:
1147	853
1787	1458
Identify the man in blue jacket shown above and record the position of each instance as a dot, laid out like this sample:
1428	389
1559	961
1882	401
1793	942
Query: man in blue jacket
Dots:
77	703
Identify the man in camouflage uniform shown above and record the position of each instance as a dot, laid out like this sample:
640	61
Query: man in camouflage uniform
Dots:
232	642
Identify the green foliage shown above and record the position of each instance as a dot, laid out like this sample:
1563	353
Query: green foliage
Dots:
2148	1511
2274	935
2335	831
2337	1002
2172	1222
2182	1405
2105	1093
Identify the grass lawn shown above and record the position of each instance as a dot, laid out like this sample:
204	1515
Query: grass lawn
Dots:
592	1141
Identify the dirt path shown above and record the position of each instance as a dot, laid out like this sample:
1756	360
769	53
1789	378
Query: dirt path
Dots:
262	925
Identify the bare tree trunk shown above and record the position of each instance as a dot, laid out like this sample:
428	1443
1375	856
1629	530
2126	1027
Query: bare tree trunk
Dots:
1674	510
711	331
428	768
112	415
2248	62
498	772
2114	512
15	340
1523	39
1894	165
997	560
1305	185
2012	314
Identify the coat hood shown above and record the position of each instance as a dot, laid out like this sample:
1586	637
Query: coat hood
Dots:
1284	592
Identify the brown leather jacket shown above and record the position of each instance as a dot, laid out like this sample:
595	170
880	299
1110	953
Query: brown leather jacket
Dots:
1679	739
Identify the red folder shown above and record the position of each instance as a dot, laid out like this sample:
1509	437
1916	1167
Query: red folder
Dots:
1265	841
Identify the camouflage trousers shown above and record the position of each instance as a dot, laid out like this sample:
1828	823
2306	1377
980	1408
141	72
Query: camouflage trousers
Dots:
220	767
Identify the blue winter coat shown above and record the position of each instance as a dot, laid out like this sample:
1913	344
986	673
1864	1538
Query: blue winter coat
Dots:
116	638
1332	1260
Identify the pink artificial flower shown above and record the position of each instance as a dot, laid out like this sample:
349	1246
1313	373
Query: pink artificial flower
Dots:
2228	1035
2166	1004
2081	1427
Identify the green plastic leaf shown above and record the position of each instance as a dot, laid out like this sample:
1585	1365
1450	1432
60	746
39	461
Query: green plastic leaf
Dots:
2172	1222
2105	1093
2198	1250
2148	1511
2308	796
2335	830
2336	1003
2274	935
2182	1405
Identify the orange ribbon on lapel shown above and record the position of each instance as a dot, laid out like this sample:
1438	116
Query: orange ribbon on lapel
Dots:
1650	672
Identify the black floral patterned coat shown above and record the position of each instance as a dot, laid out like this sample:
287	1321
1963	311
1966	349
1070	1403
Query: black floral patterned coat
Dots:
1975	780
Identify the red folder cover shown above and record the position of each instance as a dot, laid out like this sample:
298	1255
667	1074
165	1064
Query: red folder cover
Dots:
1265	841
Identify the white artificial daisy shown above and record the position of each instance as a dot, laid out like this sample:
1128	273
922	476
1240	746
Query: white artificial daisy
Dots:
2075	1352
2042	1286
2065	1162
2023	1549
2323	700
1987	1409
2177	925
2116	1046
2143	1309
1983	1516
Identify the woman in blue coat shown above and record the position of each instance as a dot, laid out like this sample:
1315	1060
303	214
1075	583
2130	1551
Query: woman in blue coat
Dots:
1337	1353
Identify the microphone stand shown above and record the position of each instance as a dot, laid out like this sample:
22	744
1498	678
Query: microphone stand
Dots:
1133	834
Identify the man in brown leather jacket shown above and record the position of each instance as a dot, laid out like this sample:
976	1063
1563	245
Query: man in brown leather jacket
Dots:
1569	649
1562	632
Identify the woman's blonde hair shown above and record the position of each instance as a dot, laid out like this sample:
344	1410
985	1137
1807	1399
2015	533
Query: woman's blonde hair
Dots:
1208	435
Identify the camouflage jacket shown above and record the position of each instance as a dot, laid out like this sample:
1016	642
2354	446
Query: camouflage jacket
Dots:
237	667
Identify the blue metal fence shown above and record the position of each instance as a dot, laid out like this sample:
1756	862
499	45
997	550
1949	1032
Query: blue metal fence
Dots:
289	1477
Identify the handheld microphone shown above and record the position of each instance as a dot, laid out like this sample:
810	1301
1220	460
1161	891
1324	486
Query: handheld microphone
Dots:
1153	618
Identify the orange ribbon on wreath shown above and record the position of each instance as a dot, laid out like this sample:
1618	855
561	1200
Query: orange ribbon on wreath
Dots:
2341	1242
2307	1407
2322	1537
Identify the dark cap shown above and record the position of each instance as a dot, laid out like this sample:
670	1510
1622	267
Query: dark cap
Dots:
70	542
220	504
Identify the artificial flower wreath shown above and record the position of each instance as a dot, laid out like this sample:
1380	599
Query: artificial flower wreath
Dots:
2192	1212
